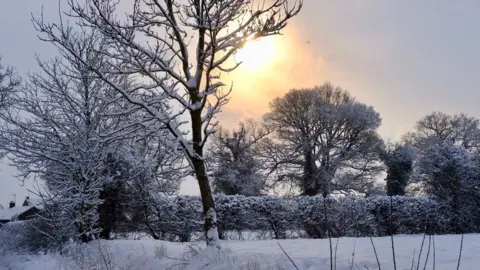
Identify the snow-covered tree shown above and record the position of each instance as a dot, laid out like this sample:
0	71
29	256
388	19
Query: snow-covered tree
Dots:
437	131
235	163
52	132
325	140
139	177
65	128
178	49
9	82
438	128
449	172
399	162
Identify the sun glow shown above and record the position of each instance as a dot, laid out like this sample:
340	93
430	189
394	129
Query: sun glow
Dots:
256	54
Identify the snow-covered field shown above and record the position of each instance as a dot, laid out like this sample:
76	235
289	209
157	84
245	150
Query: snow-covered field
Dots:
248	255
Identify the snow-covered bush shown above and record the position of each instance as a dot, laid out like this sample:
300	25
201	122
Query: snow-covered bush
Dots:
235	160
450	173
275	214
28	236
234	213
177	218
311	212
354	218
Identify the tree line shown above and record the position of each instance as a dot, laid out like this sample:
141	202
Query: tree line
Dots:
320	141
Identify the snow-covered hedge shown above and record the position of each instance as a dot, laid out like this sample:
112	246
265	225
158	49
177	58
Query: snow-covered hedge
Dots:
349	216
25	236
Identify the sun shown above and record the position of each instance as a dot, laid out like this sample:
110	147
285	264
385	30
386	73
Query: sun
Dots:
256	54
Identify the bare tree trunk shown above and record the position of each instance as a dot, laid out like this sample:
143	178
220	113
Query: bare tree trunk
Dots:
210	226
310	183
325	179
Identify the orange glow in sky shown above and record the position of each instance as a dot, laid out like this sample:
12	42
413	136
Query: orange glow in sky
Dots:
270	67
257	53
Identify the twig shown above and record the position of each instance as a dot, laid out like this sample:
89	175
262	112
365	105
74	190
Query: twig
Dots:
171	267
331	250
325	227
391	235
460	253
433	242
376	255
420	253
104	259
393	252
205	265
353	253
413	260
335	260
428	252
286	254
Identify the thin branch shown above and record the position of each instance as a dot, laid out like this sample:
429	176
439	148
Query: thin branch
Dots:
428	252
434	250
286	254
413	261
376	255
391	234
460	253
335	260
353	253
420	253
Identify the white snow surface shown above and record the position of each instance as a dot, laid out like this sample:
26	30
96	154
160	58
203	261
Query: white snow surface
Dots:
265	254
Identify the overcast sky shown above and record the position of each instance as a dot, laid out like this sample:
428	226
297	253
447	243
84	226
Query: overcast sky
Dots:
405	58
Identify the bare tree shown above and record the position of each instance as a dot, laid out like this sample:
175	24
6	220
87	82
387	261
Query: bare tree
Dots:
178	49
325	140
438	128
9	82
236	166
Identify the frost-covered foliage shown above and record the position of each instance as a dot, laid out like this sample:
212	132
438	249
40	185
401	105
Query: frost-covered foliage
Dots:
324	141
446	170
399	162
30	236
14	237
174	218
132	174
180	217
235	163
447	147
450	173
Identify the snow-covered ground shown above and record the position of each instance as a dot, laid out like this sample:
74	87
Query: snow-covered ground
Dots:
267	254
